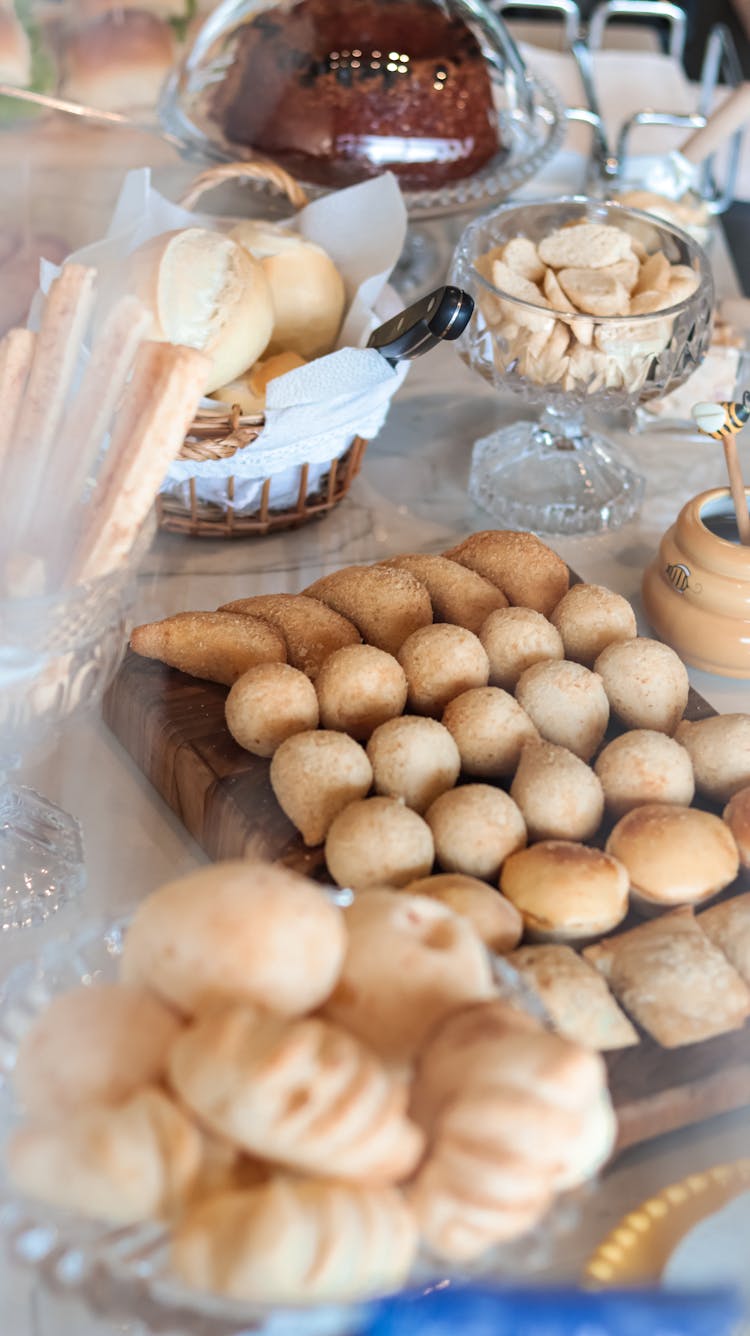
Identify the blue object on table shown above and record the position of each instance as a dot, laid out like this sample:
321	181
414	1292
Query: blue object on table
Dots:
470	1311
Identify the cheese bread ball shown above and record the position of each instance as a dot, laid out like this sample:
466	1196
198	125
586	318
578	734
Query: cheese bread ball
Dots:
567	703
475	828
268	704
378	842
566	892
644	766
494	918
559	795
384	604
489	728
458	595
590	617
314	775
646	683
719	749
359	687
440	662
414	760
514	639
529	573
674	855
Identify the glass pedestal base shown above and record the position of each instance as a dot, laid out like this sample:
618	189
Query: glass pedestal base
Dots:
41	858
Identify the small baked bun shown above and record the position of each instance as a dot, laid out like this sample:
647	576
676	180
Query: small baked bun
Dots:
440	662
674	855
737	816
514	639
311	630
119	61
207	292
529	573
314	776
566	892
93	1046
559	796
493	918
249	392
574	996
567	703
377	842
644	766
719	749
294	1241
646	683
410	961
384	604
414	760
135	1162
237	931
269	704
359	687
475	828
590	617
459	596
217	646
489	728
306	287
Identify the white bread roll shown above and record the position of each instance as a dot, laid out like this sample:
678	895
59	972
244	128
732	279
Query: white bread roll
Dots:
119	62
206	292
249	392
307	288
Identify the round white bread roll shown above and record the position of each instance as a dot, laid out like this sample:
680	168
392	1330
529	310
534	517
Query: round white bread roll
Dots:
207	292
674	855
119	60
306	287
566	892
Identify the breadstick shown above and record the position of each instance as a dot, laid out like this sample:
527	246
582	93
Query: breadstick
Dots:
16	353
158	408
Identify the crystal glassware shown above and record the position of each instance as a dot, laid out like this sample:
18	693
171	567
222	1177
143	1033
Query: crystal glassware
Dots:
557	475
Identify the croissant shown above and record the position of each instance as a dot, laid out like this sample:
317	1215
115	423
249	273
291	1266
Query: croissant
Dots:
294	1240
302	1093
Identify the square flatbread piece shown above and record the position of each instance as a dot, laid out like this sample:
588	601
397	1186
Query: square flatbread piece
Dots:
728	926
575	997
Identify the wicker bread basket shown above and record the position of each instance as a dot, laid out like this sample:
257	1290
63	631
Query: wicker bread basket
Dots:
219	435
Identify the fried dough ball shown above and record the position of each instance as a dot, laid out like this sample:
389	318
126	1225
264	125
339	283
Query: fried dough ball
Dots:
489	728
494	918
590	617
566	892
529	573
719	748
310	628
440	662
674	855
567	703
377	842
644	766
359	687
475	828
558	794
459	596
646	683
267	705
315	775
217	646
414	760
384	604
737	816
514	639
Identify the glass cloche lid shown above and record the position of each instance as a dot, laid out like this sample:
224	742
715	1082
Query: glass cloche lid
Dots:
336	91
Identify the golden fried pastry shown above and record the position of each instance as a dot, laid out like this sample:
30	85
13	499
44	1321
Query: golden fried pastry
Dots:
137	1161
269	704
93	1046
737	816
409	962
514	639
567	703
493	918
672	980
294	1240
489	728
218	646
565	892
575	997
458	595
440	663
377	842
237	931
644	766
414	760
559	795
475	828
315	775
728	927
590	617
674	855
529	573
310	628
384	604
719	748
359	687
300	1092
646	683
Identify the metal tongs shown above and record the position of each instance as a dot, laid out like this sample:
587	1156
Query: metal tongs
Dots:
440	317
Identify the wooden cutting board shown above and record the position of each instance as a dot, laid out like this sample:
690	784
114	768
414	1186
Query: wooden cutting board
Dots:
173	727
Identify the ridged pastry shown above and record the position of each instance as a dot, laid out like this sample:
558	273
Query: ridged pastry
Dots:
315	775
493	918
727	925
674	855
295	1241
567	703
590	617
414	760
575	997
310	628
490	729
475	828
216	646
646	683
376	842
302	1093
529	573
559	796
359	687
459	596
644	766
441	662
267	705
719	748
384	604
516	638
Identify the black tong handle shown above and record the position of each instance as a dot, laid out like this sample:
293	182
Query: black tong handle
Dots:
442	316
